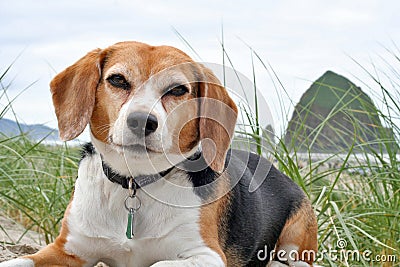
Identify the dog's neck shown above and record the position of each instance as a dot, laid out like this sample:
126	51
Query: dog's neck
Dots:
125	164
117	169
143	180
140	181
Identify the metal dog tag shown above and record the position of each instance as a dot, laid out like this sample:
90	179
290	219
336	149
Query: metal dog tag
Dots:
130	228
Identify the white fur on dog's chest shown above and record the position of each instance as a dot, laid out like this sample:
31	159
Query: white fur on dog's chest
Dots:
97	220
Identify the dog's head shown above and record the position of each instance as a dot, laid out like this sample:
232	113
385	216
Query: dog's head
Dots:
145	103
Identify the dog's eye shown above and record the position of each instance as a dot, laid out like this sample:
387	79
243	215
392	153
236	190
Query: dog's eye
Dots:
177	90
119	81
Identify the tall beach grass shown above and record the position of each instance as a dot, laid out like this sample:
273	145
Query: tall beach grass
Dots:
355	193
36	180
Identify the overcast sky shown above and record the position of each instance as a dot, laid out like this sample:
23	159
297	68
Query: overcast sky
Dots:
300	39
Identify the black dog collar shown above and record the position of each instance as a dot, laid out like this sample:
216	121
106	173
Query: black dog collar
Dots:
142	180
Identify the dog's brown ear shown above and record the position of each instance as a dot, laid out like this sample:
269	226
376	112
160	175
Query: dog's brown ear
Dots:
218	115
73	92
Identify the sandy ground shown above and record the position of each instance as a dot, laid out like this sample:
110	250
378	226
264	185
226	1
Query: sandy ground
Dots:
13	233
28	243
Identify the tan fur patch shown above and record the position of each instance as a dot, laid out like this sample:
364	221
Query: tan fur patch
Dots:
301	230
185	119
233	258
54	254
73	93
218	119
106	111
212	220
189	136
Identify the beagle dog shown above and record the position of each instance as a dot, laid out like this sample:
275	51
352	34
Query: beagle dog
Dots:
158	185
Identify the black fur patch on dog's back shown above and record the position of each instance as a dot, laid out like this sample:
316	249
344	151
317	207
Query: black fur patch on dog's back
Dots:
256	218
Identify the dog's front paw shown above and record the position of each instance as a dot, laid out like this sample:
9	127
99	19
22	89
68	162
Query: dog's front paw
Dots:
164	264
182	263
18	263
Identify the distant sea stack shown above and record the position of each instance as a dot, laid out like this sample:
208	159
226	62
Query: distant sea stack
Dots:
333	115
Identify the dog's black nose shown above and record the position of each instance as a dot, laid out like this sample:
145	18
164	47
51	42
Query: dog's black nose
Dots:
141	122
